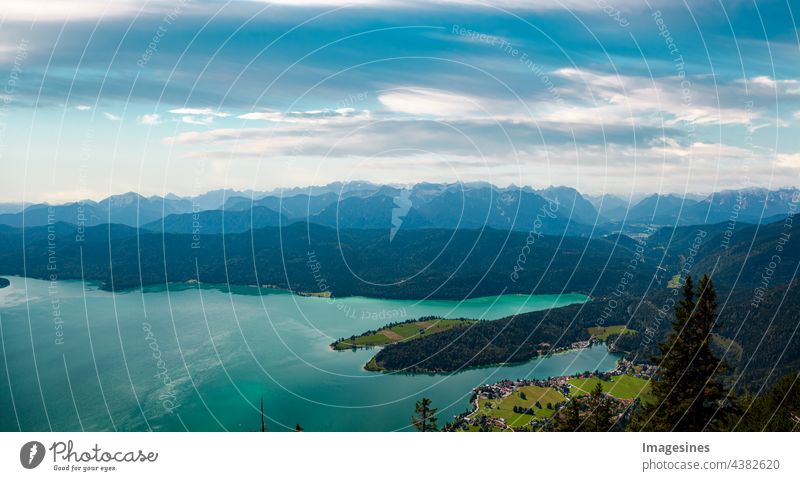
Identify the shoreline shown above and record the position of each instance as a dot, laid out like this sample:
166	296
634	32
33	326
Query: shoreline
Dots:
583	345
561	384
104	286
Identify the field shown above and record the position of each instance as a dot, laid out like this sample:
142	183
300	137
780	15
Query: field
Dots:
602	333
398	333
504	408
621	387
323	294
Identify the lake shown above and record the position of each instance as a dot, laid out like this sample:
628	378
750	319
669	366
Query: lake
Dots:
75	357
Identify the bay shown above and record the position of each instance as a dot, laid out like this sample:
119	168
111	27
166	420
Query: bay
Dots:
201	359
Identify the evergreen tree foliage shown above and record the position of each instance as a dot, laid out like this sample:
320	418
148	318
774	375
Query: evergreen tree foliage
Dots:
688	395
425	418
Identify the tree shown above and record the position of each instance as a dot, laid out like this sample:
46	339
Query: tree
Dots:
425	420
775	410
263	425
572	418
600	409
708	367
686	389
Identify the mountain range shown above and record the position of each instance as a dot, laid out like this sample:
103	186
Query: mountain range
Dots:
363	205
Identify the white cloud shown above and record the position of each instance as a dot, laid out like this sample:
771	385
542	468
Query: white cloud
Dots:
308	116
198	111
274	116
585	99
198	116
782	86
789	160
670	148
112	117
505	4
197	120
62	9
83	108
419	101
149	119
636	101
59	10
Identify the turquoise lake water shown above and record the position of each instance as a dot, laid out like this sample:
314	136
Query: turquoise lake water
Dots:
74	357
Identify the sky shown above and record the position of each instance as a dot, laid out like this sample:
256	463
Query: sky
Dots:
607	96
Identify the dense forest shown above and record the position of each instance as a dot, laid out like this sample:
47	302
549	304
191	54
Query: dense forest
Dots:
755	332
630	282
415	264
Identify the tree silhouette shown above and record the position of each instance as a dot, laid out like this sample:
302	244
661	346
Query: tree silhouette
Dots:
425	419
572	418
775	410
263	425
686	390
600	409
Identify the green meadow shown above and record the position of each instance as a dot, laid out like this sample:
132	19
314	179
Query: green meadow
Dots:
524	397
602	333
624	386
398	333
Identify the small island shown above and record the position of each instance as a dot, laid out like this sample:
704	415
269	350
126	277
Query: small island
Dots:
399	332
4	282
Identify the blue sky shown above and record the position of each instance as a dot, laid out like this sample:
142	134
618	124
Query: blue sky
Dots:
614	96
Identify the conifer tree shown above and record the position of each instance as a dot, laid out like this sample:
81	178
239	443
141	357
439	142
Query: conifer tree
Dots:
686	389
601	410
425	420
263	424
572	418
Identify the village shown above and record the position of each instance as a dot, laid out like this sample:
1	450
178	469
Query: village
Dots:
536	405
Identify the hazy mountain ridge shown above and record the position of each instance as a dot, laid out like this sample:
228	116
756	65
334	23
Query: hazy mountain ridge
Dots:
448	206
